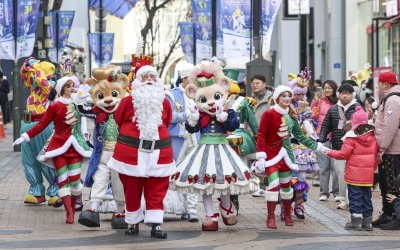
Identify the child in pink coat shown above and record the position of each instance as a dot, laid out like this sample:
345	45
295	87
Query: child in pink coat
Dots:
359	149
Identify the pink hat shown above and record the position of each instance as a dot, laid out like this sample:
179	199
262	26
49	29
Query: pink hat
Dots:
358	118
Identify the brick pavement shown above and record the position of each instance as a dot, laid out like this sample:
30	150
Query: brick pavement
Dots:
43	227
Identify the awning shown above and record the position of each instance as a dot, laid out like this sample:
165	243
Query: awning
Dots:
119	8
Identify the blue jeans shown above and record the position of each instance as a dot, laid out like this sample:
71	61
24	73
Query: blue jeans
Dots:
360	200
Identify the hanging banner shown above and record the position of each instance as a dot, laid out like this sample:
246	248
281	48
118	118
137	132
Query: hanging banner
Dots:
220	38
269	12
65	20
52	35
202	27
104	55
187	40
27	17
7	40
236	26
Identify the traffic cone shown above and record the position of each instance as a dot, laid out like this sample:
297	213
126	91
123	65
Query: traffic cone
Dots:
2	135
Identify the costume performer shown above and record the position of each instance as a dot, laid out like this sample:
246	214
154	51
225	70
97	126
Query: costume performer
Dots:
182	141
107	90
36	77
67	147
212	167
305	158
274	152
247	130
143	119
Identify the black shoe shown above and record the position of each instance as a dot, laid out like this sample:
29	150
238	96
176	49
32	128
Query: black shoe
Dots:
156	232
391	225
383	219
89	218
132	229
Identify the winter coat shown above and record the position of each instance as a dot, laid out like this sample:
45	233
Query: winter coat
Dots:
4	90
262	105
331	122
387	124
323	105
360	153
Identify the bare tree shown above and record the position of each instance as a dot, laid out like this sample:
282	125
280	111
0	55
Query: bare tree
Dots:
160	28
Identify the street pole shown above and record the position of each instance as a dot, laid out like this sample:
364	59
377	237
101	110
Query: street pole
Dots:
256	9
101	30
17	93
214	29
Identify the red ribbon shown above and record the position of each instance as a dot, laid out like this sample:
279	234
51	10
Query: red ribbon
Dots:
101	114
204	74
205	118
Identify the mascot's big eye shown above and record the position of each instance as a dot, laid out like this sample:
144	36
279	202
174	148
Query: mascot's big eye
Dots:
202	99
218	96
115	93
100	95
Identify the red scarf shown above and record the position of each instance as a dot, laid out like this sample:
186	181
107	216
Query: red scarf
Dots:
205	118
101	114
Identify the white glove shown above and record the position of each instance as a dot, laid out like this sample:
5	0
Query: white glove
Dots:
320	146
230	101
221	115
325	150
24	138
259	164
82	95
194	113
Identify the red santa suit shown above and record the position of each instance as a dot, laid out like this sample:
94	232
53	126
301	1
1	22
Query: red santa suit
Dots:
141	171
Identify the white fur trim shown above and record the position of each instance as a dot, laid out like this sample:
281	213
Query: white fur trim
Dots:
282	154
77	190
280	110
279	90
287	195
61	82
26	137
350	134
146	69
61	150
154	216
134	217
140	170
271	196
64	192
64	100
261	155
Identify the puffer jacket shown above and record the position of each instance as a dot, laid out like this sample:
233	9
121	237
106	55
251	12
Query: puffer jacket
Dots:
360	152
387	124
331	122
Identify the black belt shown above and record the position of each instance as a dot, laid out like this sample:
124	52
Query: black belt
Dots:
143	144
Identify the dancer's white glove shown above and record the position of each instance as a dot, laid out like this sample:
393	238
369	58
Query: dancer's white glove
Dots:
24	138
194	113
221	115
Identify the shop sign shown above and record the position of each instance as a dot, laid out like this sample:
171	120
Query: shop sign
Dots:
298	7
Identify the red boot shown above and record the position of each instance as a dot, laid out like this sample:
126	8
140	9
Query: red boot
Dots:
287	204
271	223
210	223
73	202
68	207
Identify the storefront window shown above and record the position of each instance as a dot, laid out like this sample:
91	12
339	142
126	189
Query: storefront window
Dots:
385	58
395	47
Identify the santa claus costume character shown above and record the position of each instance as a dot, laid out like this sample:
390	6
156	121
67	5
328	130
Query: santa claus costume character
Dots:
274	152
143	154
67	147
305	158
213	167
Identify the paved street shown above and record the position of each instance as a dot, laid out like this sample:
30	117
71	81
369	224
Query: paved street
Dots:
43	227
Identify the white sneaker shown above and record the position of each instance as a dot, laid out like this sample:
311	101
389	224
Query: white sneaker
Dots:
259	193
323	198
342	206
337	199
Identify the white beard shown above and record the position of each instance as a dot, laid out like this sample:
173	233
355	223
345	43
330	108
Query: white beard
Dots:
148	105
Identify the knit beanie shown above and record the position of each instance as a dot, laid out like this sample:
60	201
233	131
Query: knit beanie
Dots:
358	118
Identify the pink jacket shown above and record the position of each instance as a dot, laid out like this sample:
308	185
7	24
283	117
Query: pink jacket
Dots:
387	124
325	105
360	153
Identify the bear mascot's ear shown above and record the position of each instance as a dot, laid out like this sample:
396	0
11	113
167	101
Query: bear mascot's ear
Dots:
123	79
225	83
191	90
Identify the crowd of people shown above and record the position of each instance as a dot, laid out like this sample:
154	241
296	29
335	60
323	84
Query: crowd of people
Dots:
159	150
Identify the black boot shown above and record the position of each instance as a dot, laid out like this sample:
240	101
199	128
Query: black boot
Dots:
235	201
383	219
157	232
391	225
132	229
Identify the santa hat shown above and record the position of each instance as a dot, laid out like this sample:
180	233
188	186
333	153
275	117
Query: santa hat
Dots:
359	117
61	82
279	90
146	69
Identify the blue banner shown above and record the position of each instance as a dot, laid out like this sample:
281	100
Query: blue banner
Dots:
104	56
202	27
27	17
187	40
236	26
119	8
65	20
7	40
269	12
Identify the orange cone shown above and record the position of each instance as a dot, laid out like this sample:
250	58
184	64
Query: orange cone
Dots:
2	135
